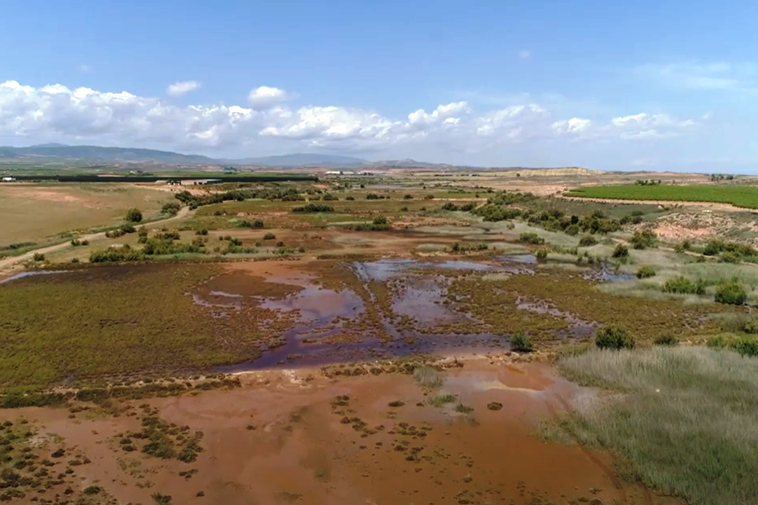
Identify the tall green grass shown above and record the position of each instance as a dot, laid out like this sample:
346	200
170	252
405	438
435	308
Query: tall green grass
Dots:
685	419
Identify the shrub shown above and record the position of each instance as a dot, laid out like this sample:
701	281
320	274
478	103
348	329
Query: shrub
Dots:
730	257
380	220
731	293
372	196
614	337
645	272
521	343
683	286
666	339
134	215
408	197
746	346
201	231
450	206
429	197
541	253
713	247
171	208
643	239
531	238
621	251
329	198
313	208
572	230
587	241
269	236
350	198
127	228
38	257
685	245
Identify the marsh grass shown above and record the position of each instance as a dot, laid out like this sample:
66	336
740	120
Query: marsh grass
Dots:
684	419
427	377
442	399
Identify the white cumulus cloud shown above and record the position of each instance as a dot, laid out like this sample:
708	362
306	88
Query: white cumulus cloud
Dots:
57	113
182	88
265	96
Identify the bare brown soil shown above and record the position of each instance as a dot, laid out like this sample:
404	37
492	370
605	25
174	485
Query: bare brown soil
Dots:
300	437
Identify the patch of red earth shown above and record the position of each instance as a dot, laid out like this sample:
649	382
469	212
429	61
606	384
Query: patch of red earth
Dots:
279	440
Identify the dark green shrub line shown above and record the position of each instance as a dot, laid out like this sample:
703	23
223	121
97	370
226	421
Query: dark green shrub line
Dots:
314	207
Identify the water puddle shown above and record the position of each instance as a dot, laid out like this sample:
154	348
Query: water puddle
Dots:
320	306
607	273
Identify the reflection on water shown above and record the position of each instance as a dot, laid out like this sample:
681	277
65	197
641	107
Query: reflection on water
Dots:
22	275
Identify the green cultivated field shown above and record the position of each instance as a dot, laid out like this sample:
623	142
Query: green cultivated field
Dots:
740	196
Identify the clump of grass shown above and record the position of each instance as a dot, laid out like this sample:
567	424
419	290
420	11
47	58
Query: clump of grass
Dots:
427	377
463	409
613	337
645	272
531	238
521	343
686	423
666	339
683	286
441	399
396	403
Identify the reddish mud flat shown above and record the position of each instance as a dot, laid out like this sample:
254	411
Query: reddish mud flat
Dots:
300	437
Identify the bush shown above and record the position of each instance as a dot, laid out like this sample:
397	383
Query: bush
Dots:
408	197
134	215
38	257
313	208
269	236
350	198
521	343
127	228
372	196
450	206
621	251
666	339
587	241
730	257
572	230
685	245
171	208
645	272
614	337
541	254
731	293
747	346
531	238
683	286
380	220
329	198
201	231
643	239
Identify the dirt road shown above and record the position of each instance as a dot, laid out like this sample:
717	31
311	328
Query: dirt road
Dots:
9	263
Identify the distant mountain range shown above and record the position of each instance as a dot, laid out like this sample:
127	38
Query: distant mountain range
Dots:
62	152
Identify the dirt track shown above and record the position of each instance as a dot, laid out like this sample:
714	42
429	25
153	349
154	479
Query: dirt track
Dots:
9	263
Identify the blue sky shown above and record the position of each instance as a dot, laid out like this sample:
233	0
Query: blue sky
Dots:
608	85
